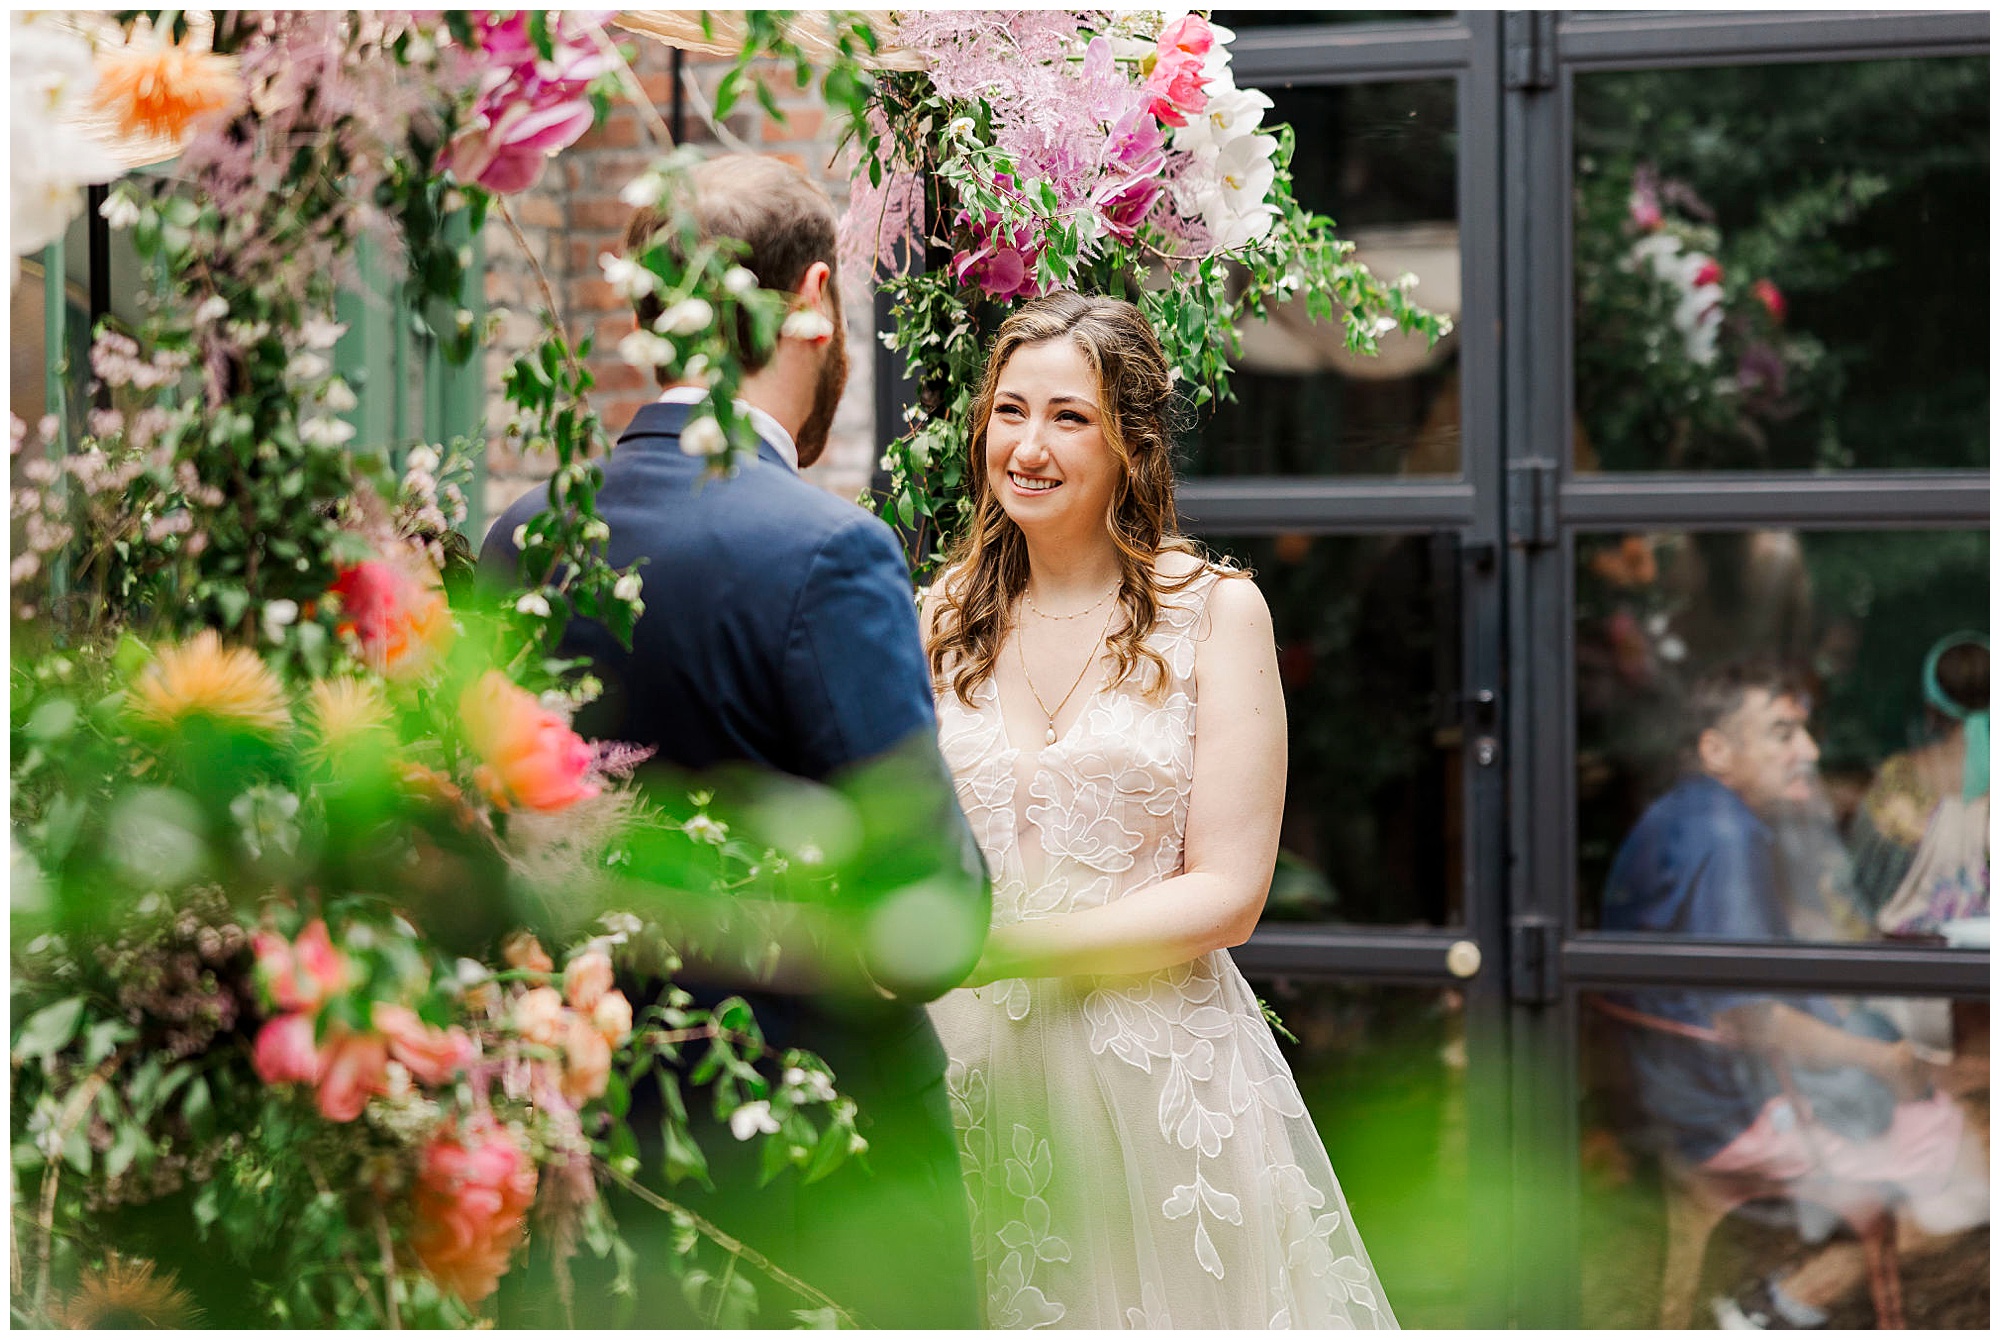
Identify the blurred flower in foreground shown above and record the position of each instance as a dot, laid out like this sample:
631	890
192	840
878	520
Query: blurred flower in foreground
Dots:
401	621
201	677
162	88
345	712
531	757
472	1198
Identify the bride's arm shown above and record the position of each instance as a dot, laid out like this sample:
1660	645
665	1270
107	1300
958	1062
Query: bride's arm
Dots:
1232	825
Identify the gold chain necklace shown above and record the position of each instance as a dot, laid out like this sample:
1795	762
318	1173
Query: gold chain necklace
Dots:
1021	655
1078	615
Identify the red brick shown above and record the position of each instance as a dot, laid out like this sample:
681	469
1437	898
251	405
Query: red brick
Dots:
658	85
802	123
584	251
604	213
611	329
594	295
610	171
534	209
796	160
619	376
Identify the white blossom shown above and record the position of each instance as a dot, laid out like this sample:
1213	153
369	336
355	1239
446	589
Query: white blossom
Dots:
806	324
120	211
739	281
278	616
811	1084
535	603
704	829
324	430
646	351
422	459
212	310
689	316
339	397
704	437
305	367
627	588
1231	114
52	76
320	333
630	279
644	190
752	1119
1232	206
596	530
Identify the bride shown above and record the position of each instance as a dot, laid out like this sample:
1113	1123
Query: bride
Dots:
1135	1147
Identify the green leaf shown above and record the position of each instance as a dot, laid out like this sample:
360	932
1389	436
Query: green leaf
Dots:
52	720
49	1030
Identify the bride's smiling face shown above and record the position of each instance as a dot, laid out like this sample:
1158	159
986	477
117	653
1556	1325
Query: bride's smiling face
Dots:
1046	457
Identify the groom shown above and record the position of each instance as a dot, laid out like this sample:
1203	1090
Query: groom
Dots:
780	632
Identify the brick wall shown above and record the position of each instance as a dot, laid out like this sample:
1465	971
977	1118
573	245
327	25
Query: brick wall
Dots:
574	213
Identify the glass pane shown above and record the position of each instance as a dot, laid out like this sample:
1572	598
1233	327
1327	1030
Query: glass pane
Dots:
1782	267
1765	748
1367	631
1726	1176
1382	1070
1245	20
1382	161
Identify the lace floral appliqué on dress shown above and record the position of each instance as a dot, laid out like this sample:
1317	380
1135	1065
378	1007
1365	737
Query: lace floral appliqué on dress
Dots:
1135	1148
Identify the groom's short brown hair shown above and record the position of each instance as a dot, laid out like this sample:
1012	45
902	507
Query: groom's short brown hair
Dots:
784	218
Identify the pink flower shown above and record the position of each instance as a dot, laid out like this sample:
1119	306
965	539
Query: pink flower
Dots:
523	950
538	1016
531	757
1709	273
1190	34
528	108
613	1017
586	1061
1768	293
1645	209
472	1196
431	1055
1177	86
353	1067
300	975
284	1053
587	979
401	620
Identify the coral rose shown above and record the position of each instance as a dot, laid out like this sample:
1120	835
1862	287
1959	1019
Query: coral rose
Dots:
531	756
353	1067
1773	299
401	621
523	950
586	1061
284	1053
300	975
613	1017
472	1197
431	1055
538	1016
586	980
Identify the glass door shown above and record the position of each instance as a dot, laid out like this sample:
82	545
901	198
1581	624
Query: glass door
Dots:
1747	604
1365	494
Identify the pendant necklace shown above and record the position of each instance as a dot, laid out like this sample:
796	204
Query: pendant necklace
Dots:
1049	715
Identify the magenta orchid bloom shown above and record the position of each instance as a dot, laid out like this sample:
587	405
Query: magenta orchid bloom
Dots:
528	108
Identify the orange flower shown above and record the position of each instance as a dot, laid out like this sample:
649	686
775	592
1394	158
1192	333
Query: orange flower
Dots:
401	620
161	89
201	677
471	1200
1630	564
530	756
346	712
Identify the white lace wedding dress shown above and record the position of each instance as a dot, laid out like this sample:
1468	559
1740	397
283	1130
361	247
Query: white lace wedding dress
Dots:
1135	1148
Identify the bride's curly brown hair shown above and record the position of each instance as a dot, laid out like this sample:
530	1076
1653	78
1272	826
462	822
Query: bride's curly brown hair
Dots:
987	566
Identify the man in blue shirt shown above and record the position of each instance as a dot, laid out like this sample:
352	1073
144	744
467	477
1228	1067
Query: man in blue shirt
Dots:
1702	862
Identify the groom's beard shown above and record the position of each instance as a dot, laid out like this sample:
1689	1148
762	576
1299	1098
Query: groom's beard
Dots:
827	390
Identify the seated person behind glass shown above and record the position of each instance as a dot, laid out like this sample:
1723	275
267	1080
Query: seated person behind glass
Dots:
1921	855
1701	862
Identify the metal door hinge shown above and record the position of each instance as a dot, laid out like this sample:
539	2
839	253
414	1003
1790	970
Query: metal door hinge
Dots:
1529	41
1533	959
1531	503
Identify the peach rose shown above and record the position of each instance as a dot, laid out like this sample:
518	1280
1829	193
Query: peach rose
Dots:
587	979
530	755
538	1016
353	1067
523	950
613	1017
431	1055
586	1061
284	1053
473	1192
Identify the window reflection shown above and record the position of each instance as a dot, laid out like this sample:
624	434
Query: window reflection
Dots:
1382	1071
1367	630
1751	1157
1781	735
1382	161
1782	267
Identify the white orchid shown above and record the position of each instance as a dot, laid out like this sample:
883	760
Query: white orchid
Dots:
52	77
1232	206
631	280
1230	115
806	324
646	351
704	437
689	316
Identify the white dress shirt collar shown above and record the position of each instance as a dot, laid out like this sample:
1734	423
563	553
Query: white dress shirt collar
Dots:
767	427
